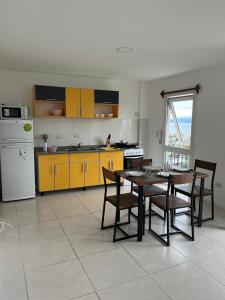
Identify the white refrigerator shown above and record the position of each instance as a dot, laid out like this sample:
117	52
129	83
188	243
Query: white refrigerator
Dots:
17	160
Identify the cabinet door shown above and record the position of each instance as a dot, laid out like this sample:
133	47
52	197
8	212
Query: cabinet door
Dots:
106	97
106	163
87	103
91	173
76	174
43	92
117	164
46	177
72	102
61	176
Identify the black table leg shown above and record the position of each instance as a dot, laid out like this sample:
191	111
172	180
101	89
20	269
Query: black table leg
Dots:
200	210
140	213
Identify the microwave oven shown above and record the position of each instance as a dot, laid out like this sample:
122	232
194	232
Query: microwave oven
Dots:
14	112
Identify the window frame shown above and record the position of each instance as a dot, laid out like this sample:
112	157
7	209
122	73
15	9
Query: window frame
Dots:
173	149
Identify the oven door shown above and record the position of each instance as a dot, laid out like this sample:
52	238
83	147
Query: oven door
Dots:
128	161
10	112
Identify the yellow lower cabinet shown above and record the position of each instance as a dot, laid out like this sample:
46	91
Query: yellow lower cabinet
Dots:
46	180
61	176
76	174
91	174
112	161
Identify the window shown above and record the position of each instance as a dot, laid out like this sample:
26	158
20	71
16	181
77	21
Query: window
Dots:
179	130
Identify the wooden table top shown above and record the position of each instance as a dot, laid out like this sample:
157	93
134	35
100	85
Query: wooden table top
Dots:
152	179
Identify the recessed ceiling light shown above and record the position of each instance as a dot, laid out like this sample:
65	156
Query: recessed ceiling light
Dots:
124	49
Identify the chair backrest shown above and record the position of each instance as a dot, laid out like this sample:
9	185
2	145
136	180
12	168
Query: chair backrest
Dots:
209	166
182	179
107	174
139	163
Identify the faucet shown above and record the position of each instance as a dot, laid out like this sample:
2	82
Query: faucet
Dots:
78	146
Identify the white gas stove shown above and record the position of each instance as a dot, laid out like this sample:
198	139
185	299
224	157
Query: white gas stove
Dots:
134	152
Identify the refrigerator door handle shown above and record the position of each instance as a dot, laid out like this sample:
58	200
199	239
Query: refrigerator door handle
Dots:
13	146
13	139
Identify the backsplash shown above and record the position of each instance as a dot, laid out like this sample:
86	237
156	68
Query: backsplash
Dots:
66	132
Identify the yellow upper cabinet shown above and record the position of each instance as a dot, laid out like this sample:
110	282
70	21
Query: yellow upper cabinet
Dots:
87	103
73	107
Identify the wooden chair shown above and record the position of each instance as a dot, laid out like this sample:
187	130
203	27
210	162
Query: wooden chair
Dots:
149	190
169	203
186	189
120	202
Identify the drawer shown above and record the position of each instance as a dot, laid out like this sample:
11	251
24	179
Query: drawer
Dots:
84	157
111	155
53	158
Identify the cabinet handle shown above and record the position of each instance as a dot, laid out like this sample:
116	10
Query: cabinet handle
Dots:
78	111
112	165
86	168
109	164
52	170
82	168
107	102
56	170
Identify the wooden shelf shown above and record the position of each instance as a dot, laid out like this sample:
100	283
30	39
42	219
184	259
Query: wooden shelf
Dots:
49	101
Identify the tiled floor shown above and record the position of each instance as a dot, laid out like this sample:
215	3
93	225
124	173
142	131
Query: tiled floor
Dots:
56	251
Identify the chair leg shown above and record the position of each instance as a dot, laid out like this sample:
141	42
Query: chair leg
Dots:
168	228
103	214
172	215
115	225
192	224
212	199
129	213
150	214
194	205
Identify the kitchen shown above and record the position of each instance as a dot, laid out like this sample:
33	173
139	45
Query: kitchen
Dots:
67	132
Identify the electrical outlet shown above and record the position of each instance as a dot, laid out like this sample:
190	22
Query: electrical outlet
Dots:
218	184
76	135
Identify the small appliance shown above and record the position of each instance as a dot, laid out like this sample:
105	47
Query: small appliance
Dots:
9	111
17	160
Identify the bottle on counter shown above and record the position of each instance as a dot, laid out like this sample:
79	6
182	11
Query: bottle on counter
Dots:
108	141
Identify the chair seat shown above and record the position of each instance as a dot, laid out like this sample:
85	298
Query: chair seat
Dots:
185	189
126	201
174	202
151	190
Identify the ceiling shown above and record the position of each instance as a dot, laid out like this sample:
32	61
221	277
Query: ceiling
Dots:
80	37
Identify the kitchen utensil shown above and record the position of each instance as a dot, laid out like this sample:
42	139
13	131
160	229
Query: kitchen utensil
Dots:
121	144
52	149
135	173
56	112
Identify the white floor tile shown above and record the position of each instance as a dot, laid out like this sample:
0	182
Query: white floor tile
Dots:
143	288
153	256
70	210
78	224
109	268
90	242
40	231
215	265
200	247
62	281
12	286
35	215
188	281
47	252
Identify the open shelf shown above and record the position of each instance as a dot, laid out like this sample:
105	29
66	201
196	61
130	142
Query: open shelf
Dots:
105	109
43	108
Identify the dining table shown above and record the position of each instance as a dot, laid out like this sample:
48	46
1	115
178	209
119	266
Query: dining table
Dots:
154	178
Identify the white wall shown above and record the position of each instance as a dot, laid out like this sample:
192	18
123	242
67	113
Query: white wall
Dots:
16	86
209	122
